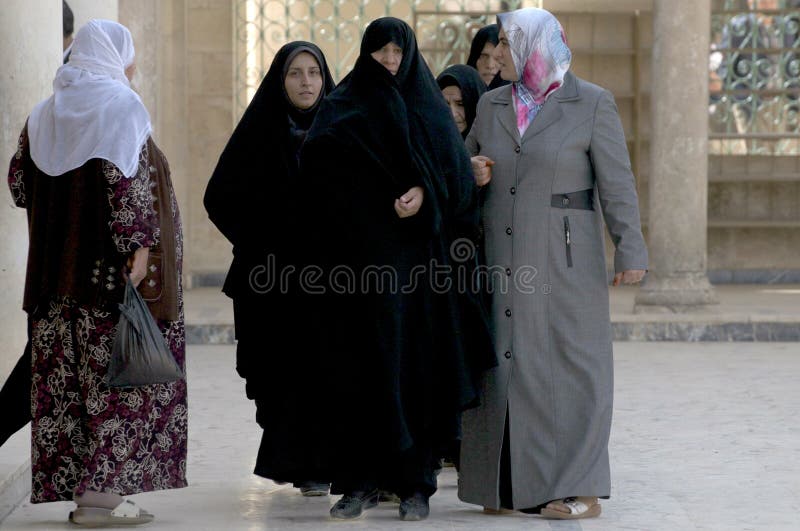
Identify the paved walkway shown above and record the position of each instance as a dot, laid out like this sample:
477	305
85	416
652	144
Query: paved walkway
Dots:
706	437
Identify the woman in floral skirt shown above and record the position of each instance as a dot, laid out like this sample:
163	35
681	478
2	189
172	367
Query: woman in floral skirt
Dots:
101	209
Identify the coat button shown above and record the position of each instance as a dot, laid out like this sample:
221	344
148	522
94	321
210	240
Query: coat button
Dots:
513	190
517	149
509	231
508	355
508	271
565	201
508	312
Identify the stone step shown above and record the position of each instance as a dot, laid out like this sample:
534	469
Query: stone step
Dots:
222	334
745	313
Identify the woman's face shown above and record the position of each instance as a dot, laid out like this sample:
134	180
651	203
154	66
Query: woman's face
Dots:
502	54
390	56
130	71
452	96
486	64
303	81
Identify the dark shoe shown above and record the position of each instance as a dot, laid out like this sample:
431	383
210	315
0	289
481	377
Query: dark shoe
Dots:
314	488
415	508
353	505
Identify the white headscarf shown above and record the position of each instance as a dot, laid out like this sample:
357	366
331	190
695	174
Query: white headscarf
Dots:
541	57
93	112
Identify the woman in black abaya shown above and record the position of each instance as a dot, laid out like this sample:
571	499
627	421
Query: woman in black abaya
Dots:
462	87
387	178
481	56
253	199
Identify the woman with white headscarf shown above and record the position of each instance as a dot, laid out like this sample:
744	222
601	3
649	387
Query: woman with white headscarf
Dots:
549	152
101	209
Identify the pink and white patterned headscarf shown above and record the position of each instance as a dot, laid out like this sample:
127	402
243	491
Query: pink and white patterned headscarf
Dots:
541	57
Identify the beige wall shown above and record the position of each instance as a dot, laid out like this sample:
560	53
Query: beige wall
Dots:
85	10
141	18
185	77
597	6
31	45
159	31
171	131
209	94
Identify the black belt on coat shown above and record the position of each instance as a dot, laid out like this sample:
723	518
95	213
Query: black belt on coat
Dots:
581	200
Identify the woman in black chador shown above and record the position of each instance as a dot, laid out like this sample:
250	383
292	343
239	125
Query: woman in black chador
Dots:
462	87
481	56
253	198
389	195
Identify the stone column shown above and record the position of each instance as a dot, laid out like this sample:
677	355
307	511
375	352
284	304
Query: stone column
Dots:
677	222
159	32
85	10
141	18
209	124
30	43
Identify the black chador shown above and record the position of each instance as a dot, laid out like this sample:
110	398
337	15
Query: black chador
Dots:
491	34
405	344
470	84
253	198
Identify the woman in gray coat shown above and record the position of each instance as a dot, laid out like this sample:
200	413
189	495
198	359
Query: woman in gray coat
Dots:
549	153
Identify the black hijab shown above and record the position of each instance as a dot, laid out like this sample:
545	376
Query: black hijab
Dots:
400	123
490	33
261	158
486	34
471	85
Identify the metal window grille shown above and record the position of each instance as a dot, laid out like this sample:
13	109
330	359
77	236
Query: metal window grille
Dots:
444	31
754	77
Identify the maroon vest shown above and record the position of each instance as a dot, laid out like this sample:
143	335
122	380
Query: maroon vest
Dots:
71	251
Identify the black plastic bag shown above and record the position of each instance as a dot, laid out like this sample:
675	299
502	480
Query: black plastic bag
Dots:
140	354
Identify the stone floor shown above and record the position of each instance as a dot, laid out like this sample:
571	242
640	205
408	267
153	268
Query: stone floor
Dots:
706	437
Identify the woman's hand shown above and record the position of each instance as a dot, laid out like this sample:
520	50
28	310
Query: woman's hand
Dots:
632	276
482	168
410	203
137	265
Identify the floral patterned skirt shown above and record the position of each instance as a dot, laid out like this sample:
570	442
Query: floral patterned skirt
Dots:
87	436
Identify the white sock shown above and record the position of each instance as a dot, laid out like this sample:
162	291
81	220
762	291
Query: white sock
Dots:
103	500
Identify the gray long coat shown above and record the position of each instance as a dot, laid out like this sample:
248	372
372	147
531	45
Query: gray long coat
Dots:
555	373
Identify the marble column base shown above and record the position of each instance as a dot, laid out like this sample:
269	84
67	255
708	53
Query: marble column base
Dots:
677	293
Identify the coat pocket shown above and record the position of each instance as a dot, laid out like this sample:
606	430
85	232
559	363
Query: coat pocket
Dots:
568	241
